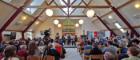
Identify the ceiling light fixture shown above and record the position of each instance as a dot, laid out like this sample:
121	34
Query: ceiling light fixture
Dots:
90	13
81	21
24	17
137	5
49	12
110	17
56	22
59	25
37	22
76	25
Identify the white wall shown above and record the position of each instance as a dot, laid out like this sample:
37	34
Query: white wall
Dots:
87	26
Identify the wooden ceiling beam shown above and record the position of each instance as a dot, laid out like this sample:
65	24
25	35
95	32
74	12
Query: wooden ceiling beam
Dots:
73	2
60	8
95	6
75	8
69	16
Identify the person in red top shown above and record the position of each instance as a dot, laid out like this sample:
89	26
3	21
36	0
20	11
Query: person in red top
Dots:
22	52
58	48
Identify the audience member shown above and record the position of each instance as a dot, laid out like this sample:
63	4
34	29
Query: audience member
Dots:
10	53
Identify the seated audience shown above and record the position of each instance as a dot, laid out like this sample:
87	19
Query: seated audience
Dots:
10	53
96	50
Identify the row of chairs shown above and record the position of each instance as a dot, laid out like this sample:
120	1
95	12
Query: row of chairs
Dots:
93	57
98	57
38	58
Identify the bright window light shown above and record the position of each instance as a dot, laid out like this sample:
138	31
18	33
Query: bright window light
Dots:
34	3
110	17
66	9
8	1
118	25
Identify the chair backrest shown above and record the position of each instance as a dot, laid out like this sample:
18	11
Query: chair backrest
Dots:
33	58
87	51
97	57
48	58
22	58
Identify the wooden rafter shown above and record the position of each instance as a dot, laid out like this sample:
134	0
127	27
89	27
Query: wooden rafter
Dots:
95	6
89	2
60	8
75	8
65	2
73	2
84	2
48	4
69	16
68	8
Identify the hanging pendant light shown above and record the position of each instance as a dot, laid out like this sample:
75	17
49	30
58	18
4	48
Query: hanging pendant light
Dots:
49	12
90	13
56	22
76	25
59	25
37	22
81	21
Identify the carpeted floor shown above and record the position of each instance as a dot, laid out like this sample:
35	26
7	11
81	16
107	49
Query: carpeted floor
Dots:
72	54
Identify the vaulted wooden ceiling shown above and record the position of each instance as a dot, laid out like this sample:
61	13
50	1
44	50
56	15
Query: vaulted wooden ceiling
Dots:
122	11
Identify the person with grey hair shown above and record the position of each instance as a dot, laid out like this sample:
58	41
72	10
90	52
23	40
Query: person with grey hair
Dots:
109	56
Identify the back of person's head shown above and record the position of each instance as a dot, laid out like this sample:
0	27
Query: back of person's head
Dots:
88	42
10	51
32	47
135	41
50	45
109	56
23	47
133	51
109	43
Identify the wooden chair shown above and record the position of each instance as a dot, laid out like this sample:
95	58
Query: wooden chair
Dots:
48	58
22	58
86	57
88	52
97	57
33	58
